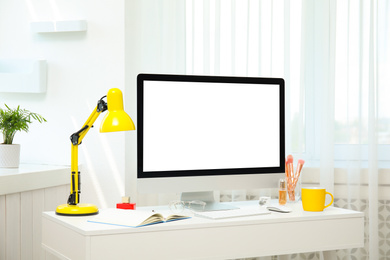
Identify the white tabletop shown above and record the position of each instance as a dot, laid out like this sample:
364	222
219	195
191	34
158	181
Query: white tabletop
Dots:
82	226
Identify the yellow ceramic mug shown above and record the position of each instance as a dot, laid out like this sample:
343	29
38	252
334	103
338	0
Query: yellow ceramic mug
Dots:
313	199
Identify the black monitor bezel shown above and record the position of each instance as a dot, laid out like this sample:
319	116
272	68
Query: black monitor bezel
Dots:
219	79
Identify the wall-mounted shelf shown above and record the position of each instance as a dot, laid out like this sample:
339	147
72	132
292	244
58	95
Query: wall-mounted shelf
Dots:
23	76
58	26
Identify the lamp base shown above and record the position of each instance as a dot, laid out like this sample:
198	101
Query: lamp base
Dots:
77	210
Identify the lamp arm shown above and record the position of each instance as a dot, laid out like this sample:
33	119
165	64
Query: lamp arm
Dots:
76	139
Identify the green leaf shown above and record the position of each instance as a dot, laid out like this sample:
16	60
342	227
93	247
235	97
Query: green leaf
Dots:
14	120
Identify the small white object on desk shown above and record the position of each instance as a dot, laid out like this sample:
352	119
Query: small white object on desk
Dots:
264	201
279	208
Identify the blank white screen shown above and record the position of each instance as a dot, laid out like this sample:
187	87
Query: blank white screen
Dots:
198	125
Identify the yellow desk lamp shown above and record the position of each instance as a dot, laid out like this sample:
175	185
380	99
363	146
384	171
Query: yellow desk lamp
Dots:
115	120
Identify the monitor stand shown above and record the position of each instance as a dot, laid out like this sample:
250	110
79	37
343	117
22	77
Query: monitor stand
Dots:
208	197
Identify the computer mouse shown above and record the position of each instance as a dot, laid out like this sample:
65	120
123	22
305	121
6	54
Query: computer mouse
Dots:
279	208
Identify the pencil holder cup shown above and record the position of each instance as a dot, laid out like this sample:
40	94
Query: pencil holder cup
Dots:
293	189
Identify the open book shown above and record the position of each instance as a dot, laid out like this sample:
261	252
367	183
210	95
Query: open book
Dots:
132	218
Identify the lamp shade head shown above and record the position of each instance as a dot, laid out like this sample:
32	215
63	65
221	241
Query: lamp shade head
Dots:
116	119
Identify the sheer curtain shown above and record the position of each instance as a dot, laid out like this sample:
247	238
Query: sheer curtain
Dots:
335	58
248	38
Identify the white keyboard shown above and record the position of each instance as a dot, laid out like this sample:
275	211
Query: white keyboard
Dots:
233	213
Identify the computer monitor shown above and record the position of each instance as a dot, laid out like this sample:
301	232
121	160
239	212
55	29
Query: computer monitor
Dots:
207	133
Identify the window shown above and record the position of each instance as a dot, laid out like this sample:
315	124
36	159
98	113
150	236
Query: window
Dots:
335	60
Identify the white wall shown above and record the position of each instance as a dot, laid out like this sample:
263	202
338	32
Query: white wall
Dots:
155	43
82	66
124	38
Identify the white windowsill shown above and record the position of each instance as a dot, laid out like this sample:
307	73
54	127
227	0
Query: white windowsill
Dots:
31	177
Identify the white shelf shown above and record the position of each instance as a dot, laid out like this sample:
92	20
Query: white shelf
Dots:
31	177
58	26
23	76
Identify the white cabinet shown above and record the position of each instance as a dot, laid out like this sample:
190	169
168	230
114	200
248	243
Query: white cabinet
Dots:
25	193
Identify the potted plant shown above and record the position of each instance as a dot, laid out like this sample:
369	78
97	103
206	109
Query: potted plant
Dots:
12	121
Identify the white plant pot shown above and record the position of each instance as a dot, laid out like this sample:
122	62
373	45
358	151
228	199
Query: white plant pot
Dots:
9	155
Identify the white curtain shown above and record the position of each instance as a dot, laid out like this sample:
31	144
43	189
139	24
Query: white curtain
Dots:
335	59
155	43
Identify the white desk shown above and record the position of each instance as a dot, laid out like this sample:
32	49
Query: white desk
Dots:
199	238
